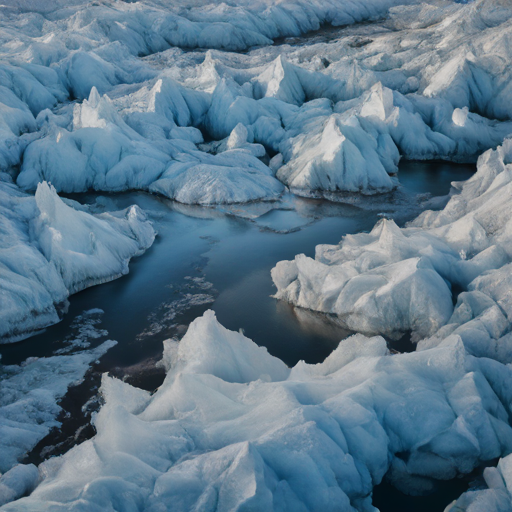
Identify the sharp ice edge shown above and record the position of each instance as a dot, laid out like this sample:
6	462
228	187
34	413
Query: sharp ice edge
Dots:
371	104
49	250
233	427
394	280
243	430
498	495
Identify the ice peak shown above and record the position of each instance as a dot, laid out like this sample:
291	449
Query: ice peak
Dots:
96	112
210	348
280	80
379	102
94	97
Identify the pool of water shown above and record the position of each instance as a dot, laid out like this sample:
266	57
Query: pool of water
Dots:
218	258
432	177
203	258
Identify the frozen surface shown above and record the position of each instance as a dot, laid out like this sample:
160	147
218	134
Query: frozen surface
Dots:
49	250
117	96
235	427
431	81
394	280
29	395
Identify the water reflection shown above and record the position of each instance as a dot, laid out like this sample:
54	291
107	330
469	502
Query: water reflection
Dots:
217	258
311	322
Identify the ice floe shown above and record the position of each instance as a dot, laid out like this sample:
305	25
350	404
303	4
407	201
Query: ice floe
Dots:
394	280
49	250
29	395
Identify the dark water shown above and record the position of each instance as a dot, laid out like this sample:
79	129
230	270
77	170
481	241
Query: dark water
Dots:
208	258
234	255
389	499
361	34
432	177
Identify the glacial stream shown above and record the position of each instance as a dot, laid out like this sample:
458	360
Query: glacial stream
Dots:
219	258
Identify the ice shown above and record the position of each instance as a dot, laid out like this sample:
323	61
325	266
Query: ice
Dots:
105	152
232	427
393	280
29	408
17	482
497	496
382	286
117	96
338	115
328	155
50	250
280	81
203	183
15	119
154	26
35	93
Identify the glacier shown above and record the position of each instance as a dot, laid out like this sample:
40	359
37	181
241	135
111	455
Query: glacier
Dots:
216	104
119	96
495	495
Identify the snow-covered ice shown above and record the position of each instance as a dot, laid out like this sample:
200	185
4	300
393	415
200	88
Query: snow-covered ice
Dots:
49	250
17	482
233	427
114	96
327	117
394	280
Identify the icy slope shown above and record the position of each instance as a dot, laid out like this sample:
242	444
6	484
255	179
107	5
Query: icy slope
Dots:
155	25
49	250
233	428
394	280
350	148
103	151
429	82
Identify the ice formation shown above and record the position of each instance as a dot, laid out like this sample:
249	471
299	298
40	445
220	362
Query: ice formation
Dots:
233	428
496	495
28	401
394	280
328	117
49	250
115	96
